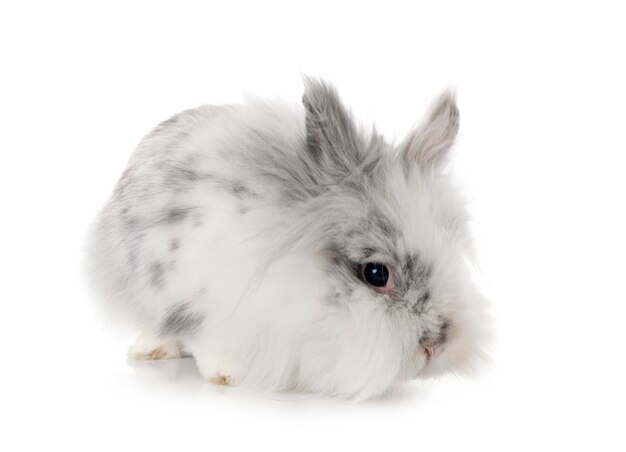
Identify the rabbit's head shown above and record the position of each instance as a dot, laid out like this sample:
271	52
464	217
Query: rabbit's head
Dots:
394	228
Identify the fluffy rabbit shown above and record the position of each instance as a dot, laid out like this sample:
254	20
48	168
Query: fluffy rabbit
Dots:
286	249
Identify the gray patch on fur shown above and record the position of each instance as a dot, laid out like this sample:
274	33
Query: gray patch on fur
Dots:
174	244
368	252
385	226
437	334
175	215
181	320
157	274
415	269
240	190
180	177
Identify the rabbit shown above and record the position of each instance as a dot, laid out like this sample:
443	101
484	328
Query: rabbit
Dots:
285	248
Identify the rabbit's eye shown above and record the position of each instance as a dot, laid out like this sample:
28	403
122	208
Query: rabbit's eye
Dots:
375	274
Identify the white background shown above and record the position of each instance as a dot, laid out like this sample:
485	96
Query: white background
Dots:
541	153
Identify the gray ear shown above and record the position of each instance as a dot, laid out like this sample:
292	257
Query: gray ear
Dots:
331	137
429	144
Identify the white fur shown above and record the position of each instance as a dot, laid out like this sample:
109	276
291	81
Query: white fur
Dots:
275	330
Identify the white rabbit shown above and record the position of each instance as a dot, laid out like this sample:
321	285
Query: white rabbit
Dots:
285	249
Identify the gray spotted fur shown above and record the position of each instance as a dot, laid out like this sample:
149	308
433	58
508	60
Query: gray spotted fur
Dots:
181	320
329	190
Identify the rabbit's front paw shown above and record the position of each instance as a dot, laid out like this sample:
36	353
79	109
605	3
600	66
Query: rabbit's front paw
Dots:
215	368
223	380
149	347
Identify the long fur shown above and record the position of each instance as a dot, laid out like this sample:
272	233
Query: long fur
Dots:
236	234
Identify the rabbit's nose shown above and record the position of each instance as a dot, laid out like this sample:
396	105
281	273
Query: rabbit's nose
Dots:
428	351
434	339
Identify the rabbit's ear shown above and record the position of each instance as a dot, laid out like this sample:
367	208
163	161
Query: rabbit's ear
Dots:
331	136
429	144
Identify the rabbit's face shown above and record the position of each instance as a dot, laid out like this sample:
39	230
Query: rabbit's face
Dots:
396	228
401	246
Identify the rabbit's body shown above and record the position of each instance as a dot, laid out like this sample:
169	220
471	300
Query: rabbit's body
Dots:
239	233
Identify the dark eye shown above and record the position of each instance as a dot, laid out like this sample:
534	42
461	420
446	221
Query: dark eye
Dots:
375	274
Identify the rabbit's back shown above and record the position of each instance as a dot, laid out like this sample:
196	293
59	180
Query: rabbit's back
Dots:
195	191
